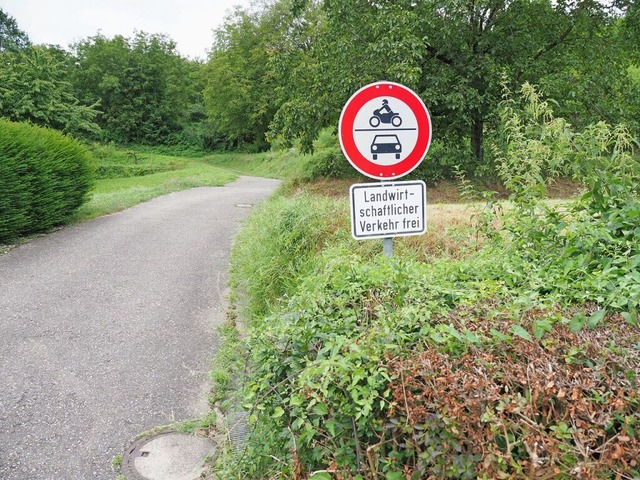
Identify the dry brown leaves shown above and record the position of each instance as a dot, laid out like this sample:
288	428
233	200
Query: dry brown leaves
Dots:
564	407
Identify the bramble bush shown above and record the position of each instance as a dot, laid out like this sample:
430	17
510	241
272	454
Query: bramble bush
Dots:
588	250
44	177
518	360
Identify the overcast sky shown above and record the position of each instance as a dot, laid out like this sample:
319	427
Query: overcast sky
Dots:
61	22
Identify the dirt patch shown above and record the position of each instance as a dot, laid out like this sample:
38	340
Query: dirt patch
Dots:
445	191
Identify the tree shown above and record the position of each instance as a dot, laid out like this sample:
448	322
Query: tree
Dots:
144	88
241	86
34	88
454	53
11	37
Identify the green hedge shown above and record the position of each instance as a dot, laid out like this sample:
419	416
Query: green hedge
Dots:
44	178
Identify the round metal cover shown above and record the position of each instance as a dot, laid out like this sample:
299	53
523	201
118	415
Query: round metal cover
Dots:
168	456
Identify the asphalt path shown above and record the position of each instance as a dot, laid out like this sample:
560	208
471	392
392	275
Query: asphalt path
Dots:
108	328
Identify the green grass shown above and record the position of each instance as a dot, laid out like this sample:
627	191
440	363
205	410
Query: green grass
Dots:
127	177
283	164
115	194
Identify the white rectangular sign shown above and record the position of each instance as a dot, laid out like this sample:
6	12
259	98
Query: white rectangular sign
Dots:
388	209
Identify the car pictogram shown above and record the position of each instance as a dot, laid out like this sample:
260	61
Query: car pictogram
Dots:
386	144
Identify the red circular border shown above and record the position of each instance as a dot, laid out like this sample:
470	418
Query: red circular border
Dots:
347	119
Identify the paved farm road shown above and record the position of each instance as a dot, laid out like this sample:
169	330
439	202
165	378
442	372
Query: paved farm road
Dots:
107	329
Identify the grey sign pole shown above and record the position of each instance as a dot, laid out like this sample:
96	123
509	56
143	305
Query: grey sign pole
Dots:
388	247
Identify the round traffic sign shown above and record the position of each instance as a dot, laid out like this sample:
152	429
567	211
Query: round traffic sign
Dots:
385	130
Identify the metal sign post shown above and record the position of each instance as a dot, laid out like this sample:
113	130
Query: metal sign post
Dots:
388	247
385	132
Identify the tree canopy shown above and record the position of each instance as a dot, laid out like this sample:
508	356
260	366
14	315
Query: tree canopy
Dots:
458	55
34	87
281	70
11	37
144	88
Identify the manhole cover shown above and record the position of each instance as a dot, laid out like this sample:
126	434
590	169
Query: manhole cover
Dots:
168	456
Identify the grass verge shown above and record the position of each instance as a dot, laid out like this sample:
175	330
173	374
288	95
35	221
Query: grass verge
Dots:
115	194
507	357
282	164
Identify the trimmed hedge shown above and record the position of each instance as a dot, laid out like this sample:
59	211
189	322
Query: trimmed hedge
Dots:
44	177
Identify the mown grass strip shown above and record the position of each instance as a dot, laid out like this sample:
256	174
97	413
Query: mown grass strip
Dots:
115	194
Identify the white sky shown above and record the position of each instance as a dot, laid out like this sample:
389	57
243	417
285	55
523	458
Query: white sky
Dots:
61	22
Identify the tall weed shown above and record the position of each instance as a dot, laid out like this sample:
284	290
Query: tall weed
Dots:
588	250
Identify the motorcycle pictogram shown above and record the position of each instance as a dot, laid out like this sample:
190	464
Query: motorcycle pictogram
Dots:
384	114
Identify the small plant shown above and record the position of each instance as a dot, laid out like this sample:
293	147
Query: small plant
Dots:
228	367
117	461
487	210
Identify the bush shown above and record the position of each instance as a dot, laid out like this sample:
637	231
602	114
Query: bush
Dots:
44	177
404	370
328	161
519	360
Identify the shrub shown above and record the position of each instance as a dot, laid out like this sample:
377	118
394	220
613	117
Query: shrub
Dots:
328	161
519	360
44	177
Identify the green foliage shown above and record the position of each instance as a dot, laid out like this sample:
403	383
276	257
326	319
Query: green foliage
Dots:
532	146
240	89
145	90
590	250
391	368
289	242
35	87
44	178
324	389
320	370
11	37
328	161
454	55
